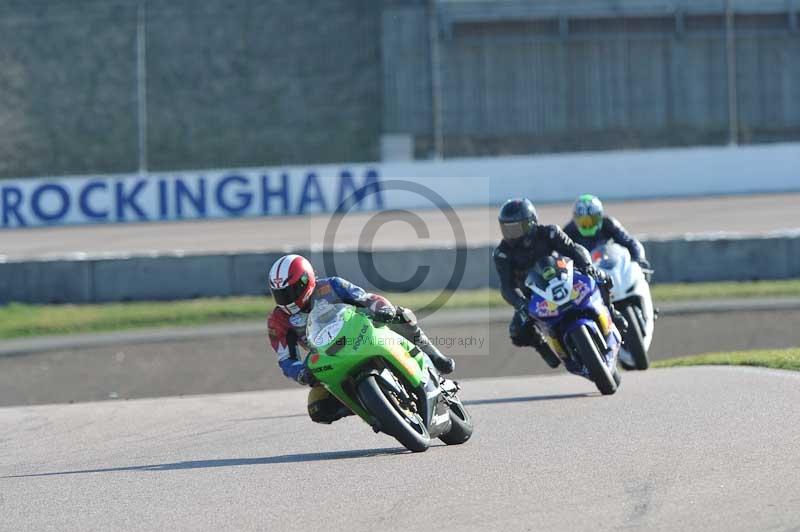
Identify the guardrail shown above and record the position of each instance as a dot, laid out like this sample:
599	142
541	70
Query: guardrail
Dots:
177	276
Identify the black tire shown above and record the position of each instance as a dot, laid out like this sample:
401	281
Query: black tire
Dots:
412	433
587	352
462	425
634	339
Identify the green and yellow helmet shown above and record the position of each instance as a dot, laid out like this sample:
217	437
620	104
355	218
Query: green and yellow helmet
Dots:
587	213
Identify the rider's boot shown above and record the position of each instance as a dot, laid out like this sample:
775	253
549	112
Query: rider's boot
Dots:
618	319
545	351
616	316
444	364
406	326
523	333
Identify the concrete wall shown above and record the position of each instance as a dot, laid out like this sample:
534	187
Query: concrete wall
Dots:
241	83
172	277
268	82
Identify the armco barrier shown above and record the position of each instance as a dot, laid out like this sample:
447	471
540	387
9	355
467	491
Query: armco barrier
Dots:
175	276
51	281
153	278
726	258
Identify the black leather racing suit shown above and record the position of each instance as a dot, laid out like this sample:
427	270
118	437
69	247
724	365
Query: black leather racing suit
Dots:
513	263
610	230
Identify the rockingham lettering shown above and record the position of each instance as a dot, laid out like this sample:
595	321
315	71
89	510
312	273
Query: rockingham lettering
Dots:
12	199
85	201
62	202
126	197
220	194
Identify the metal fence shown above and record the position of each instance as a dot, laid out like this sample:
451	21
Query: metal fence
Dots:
101	86
524	77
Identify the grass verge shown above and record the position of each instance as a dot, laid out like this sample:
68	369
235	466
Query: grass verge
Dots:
772	358
18	321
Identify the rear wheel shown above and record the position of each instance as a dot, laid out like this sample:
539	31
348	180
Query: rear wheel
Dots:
634	339
590	356
395	419
462	425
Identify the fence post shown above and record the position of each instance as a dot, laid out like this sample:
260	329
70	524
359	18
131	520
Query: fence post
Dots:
730	48
436	80
141	83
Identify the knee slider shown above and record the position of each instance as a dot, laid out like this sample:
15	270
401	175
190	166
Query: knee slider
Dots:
320	414
518	342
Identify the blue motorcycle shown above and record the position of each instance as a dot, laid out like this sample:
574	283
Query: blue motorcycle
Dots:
568	307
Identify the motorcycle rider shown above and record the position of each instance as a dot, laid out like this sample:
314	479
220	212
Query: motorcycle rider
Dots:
590	228
525	241
296	289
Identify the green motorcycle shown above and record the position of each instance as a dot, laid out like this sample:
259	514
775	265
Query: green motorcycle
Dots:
384	378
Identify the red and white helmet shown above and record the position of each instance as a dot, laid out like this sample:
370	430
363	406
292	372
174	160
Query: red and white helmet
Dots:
292	281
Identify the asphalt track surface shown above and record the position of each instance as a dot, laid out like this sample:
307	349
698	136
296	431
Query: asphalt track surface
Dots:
237	358
681	449
692	448
656	218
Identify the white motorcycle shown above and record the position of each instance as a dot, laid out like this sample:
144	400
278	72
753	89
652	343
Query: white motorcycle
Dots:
631	297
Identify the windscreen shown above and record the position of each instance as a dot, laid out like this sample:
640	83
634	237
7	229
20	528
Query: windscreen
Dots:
543	272
325	322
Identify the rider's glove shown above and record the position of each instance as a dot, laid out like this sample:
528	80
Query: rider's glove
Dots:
406	315
646	269
595	273
383	311
306	378
600	276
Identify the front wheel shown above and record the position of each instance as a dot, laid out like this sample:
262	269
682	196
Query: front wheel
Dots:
462	425
634	339
395	420
588	353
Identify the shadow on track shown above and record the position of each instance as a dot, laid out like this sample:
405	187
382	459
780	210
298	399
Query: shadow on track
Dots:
531	399
233	462
268	418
